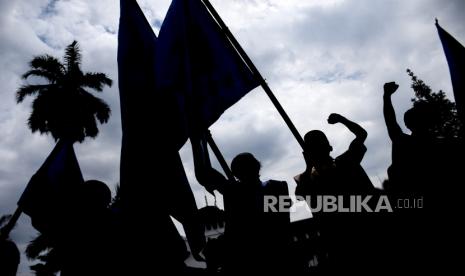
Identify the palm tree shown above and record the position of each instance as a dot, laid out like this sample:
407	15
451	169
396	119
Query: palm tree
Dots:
63	106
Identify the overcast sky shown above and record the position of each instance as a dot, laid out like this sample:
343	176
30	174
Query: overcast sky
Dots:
318	57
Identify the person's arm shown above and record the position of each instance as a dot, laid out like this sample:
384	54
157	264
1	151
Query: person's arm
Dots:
393	127
218	181
360	133
206	175
356	149
302	180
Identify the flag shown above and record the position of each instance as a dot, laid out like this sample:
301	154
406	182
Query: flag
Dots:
149	119
197	63
136	59
50	194
455	55
153	182
147	132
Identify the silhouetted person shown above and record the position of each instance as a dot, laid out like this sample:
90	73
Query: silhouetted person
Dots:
256	241
327	175
340	176
89	246
9	257
423	167
416	157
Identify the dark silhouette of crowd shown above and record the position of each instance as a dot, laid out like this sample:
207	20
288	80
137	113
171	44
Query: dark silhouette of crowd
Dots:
90	239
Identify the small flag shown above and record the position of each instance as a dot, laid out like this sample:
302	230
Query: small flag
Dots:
52	190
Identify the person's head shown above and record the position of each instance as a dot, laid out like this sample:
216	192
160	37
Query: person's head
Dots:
245	167
96	194
419	118
317	145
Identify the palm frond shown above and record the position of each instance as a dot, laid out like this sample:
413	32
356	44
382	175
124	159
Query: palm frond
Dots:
38	245
49	64
4	220
40	115
72	56
102	110
50	263
96	81
97	106
41	269
40	73
29	89
90	127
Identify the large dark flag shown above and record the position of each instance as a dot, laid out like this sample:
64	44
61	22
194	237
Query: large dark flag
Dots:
149	118
51	193
455	54
153	181
198	64
136	59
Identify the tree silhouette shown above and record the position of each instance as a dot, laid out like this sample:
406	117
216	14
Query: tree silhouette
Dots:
4	220
63	106
41	249
446	123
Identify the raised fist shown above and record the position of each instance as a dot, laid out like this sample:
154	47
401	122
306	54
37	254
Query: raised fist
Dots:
390	88
335	118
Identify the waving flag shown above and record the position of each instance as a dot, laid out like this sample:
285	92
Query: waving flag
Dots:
197	63
52	190
151	170
455	54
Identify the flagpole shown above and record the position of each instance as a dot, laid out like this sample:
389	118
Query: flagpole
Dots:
255	71
219	155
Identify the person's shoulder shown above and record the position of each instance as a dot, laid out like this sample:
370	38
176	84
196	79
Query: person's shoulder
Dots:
275	185
354	153
231	185
357	145
403	138
303	178
298	178
273	182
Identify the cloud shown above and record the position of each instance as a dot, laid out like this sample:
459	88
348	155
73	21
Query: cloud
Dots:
319	57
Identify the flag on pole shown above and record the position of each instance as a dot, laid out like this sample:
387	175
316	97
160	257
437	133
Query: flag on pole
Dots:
147	130
455	55
136	59
50	194
151	171
197	63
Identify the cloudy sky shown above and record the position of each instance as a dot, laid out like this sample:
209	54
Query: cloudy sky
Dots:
318	57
